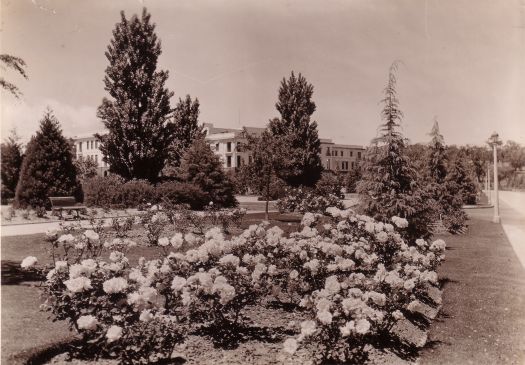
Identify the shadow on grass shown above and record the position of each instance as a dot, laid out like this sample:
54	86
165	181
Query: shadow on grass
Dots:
231	336
445	281
395	345
12	273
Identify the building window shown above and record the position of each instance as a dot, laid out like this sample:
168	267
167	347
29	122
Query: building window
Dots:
341	153
228	161
328	151
353	165
228	147
96	144
250	158
91	144
96	159
351	153
358	155
239	161
216	146
79	146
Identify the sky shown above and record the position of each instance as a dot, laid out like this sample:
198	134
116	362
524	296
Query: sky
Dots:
461	61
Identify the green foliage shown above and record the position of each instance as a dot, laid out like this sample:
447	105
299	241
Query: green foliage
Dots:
18	65
137	114
86	168
48	168
182	193
186	130
113	192
390	185
303	164
514	154
462	179
11	151
201	168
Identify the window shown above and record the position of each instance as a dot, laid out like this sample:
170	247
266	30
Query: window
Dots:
328	151
91	144
351	153
216	146
228	161
353	165
239	161
79	146
358	155
341	153
228	147
250	158
96	144
96	158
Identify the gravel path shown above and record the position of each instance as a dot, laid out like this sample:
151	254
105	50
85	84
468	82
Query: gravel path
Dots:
483	318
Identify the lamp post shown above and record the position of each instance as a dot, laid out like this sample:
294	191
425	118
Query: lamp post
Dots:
494	142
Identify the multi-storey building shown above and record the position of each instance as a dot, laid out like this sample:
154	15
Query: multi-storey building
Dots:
87	147
227	143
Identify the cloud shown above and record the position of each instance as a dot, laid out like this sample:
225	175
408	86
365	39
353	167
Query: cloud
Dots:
26	116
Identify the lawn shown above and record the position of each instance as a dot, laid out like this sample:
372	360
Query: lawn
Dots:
482	319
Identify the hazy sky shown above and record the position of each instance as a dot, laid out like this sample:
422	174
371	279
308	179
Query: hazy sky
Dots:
462	61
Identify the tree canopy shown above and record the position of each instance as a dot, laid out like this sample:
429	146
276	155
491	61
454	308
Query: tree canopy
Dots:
137	114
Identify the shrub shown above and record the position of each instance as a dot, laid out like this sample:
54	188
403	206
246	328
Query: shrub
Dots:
182	193
201	168
100	191
11	152
133	193
48	168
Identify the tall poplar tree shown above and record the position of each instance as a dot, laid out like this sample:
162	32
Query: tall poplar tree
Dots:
186	130
303	165
390	184
47	169
137	114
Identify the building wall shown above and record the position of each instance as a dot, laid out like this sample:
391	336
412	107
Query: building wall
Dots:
88	147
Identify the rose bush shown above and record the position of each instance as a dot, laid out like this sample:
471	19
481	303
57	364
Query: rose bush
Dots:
354	277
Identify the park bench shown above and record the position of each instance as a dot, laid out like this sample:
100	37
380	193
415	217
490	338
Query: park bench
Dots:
65	203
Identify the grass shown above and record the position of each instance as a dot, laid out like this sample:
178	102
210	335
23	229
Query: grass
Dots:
25	329
483	316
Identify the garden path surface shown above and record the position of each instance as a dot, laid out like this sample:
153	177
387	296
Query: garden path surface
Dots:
483	315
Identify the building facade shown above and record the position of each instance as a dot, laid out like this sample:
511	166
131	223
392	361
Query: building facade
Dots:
227	143
88	147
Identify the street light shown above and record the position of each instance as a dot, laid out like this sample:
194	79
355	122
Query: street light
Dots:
494	142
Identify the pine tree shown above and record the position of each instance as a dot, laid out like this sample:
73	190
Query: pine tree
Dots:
437	159
186	130
201	168
390	185
296	107
11	151
48	168
448	205
137	115
462	180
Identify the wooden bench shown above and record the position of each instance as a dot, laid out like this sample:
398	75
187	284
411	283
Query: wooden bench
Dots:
66	203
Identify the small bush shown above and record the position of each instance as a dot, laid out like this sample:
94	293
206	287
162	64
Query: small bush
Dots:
133	193
101	191
182	193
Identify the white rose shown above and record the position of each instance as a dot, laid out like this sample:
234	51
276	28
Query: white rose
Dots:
78	285
28	262
177	240
164	241
115	285
88	322
290	346
114	333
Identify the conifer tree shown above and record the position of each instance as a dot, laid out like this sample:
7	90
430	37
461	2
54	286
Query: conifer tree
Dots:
11	151
48	168
137	114
201	168
437	159
296	107
448	204
390	185
462	180
186	130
